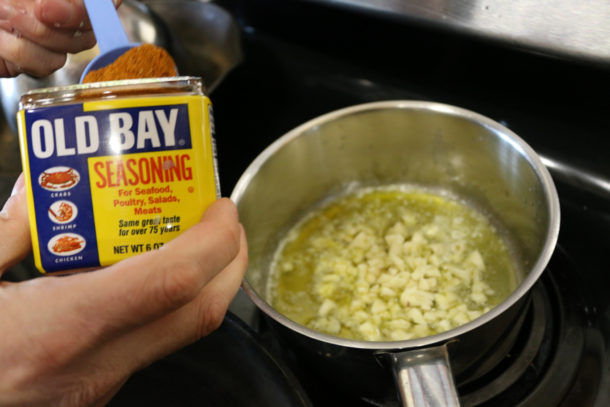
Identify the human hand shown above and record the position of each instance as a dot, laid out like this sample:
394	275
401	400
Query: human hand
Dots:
36	35
74	340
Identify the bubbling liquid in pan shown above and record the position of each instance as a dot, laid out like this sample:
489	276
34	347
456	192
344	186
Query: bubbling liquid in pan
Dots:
390	263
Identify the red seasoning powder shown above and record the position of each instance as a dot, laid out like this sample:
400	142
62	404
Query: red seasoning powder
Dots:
143	61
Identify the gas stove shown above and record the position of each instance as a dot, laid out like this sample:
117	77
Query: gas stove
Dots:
306	58
303	59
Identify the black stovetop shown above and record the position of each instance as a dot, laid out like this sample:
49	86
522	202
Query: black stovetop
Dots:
304	59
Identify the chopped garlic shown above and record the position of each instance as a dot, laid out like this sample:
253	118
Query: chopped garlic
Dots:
416	276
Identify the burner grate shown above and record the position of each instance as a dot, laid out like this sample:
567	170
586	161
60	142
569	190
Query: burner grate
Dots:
517	373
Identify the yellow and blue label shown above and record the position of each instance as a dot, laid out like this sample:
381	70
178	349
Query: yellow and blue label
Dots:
114	178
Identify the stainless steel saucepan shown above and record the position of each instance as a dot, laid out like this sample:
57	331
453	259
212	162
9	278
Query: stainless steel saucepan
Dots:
411	142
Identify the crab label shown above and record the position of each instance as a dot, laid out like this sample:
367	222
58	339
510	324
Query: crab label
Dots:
112	178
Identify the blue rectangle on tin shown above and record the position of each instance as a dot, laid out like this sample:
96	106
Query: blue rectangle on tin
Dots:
60	140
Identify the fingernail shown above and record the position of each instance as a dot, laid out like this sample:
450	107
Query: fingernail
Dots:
57	12
17	188
6	11
4	211
10	8
19	185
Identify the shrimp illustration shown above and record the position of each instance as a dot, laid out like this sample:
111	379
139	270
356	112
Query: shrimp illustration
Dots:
64	212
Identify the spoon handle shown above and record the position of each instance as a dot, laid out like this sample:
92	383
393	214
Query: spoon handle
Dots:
109	31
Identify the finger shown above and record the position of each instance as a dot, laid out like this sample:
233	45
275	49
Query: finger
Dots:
108	303
114	388
216	296
184	326
8	69
60	337
145	287
65	13
61	40
62	13
14	228
29	57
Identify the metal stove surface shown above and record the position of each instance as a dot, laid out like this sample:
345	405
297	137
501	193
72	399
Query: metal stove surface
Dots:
303	60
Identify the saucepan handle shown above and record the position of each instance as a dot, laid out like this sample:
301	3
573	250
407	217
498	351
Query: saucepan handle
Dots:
423	377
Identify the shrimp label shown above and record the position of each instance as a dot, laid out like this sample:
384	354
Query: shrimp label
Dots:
113	178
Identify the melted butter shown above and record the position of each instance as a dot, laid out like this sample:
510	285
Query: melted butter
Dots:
320	265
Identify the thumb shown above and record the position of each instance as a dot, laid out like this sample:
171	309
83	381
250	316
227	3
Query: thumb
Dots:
14	228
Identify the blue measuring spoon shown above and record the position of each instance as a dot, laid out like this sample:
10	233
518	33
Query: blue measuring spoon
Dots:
109	33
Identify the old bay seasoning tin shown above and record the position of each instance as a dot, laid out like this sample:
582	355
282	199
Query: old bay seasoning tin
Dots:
114	169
